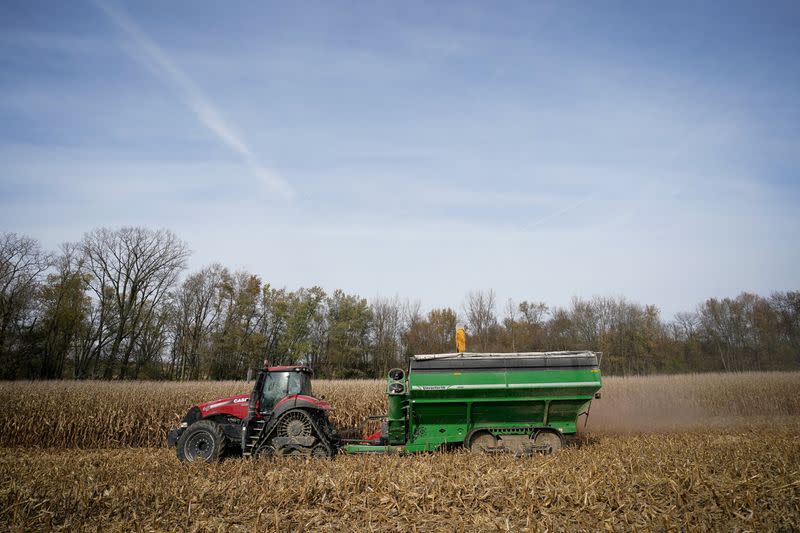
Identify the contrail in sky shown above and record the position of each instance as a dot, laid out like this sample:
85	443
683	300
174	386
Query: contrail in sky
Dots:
559	212
202	107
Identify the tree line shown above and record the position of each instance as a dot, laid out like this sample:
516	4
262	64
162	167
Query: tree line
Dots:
119	304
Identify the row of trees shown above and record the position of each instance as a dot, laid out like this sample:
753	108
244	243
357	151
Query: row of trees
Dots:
117	304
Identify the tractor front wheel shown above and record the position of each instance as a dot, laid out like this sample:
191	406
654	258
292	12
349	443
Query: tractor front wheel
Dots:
202	441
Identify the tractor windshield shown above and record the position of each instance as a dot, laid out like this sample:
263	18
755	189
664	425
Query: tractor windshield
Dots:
280	384
299	383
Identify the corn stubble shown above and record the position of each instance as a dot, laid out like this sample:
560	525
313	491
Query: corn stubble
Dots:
746	480
713	452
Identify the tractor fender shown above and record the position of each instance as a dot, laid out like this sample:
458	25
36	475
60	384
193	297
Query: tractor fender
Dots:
300	401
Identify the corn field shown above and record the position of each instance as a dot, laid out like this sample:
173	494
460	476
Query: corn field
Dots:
692	452
112	414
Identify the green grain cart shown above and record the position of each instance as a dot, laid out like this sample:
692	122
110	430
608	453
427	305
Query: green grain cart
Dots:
485	402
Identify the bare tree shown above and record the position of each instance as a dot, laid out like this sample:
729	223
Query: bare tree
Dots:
533	312
96	333
532	326
411	316
131	270
386	329
315	355
787	309
685	325
510	323
22	264
479	308
194	314
586	321
152	342
63	310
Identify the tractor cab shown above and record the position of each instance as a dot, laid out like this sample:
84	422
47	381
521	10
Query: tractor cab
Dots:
280	382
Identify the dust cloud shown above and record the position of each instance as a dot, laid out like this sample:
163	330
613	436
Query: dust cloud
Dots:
693	402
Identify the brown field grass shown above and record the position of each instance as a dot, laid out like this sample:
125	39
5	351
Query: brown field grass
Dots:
730	481
104	415
694	452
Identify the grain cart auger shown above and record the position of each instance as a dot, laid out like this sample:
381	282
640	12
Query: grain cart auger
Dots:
280	417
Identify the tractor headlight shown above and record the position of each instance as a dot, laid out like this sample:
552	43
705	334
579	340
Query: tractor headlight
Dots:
396	388
397	374
192	416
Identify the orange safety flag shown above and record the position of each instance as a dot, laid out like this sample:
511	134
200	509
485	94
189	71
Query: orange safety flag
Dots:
461	340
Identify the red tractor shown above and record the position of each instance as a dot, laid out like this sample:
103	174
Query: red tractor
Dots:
279	417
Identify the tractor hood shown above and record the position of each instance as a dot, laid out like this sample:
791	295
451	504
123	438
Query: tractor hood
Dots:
233	405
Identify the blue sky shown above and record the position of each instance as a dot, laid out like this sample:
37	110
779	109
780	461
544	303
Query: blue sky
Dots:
545	150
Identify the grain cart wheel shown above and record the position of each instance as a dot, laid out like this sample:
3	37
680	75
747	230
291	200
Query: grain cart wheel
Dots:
481	442
548	438
202	441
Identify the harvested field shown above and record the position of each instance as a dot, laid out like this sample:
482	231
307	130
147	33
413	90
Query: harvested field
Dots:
107	415
694	481
699	452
